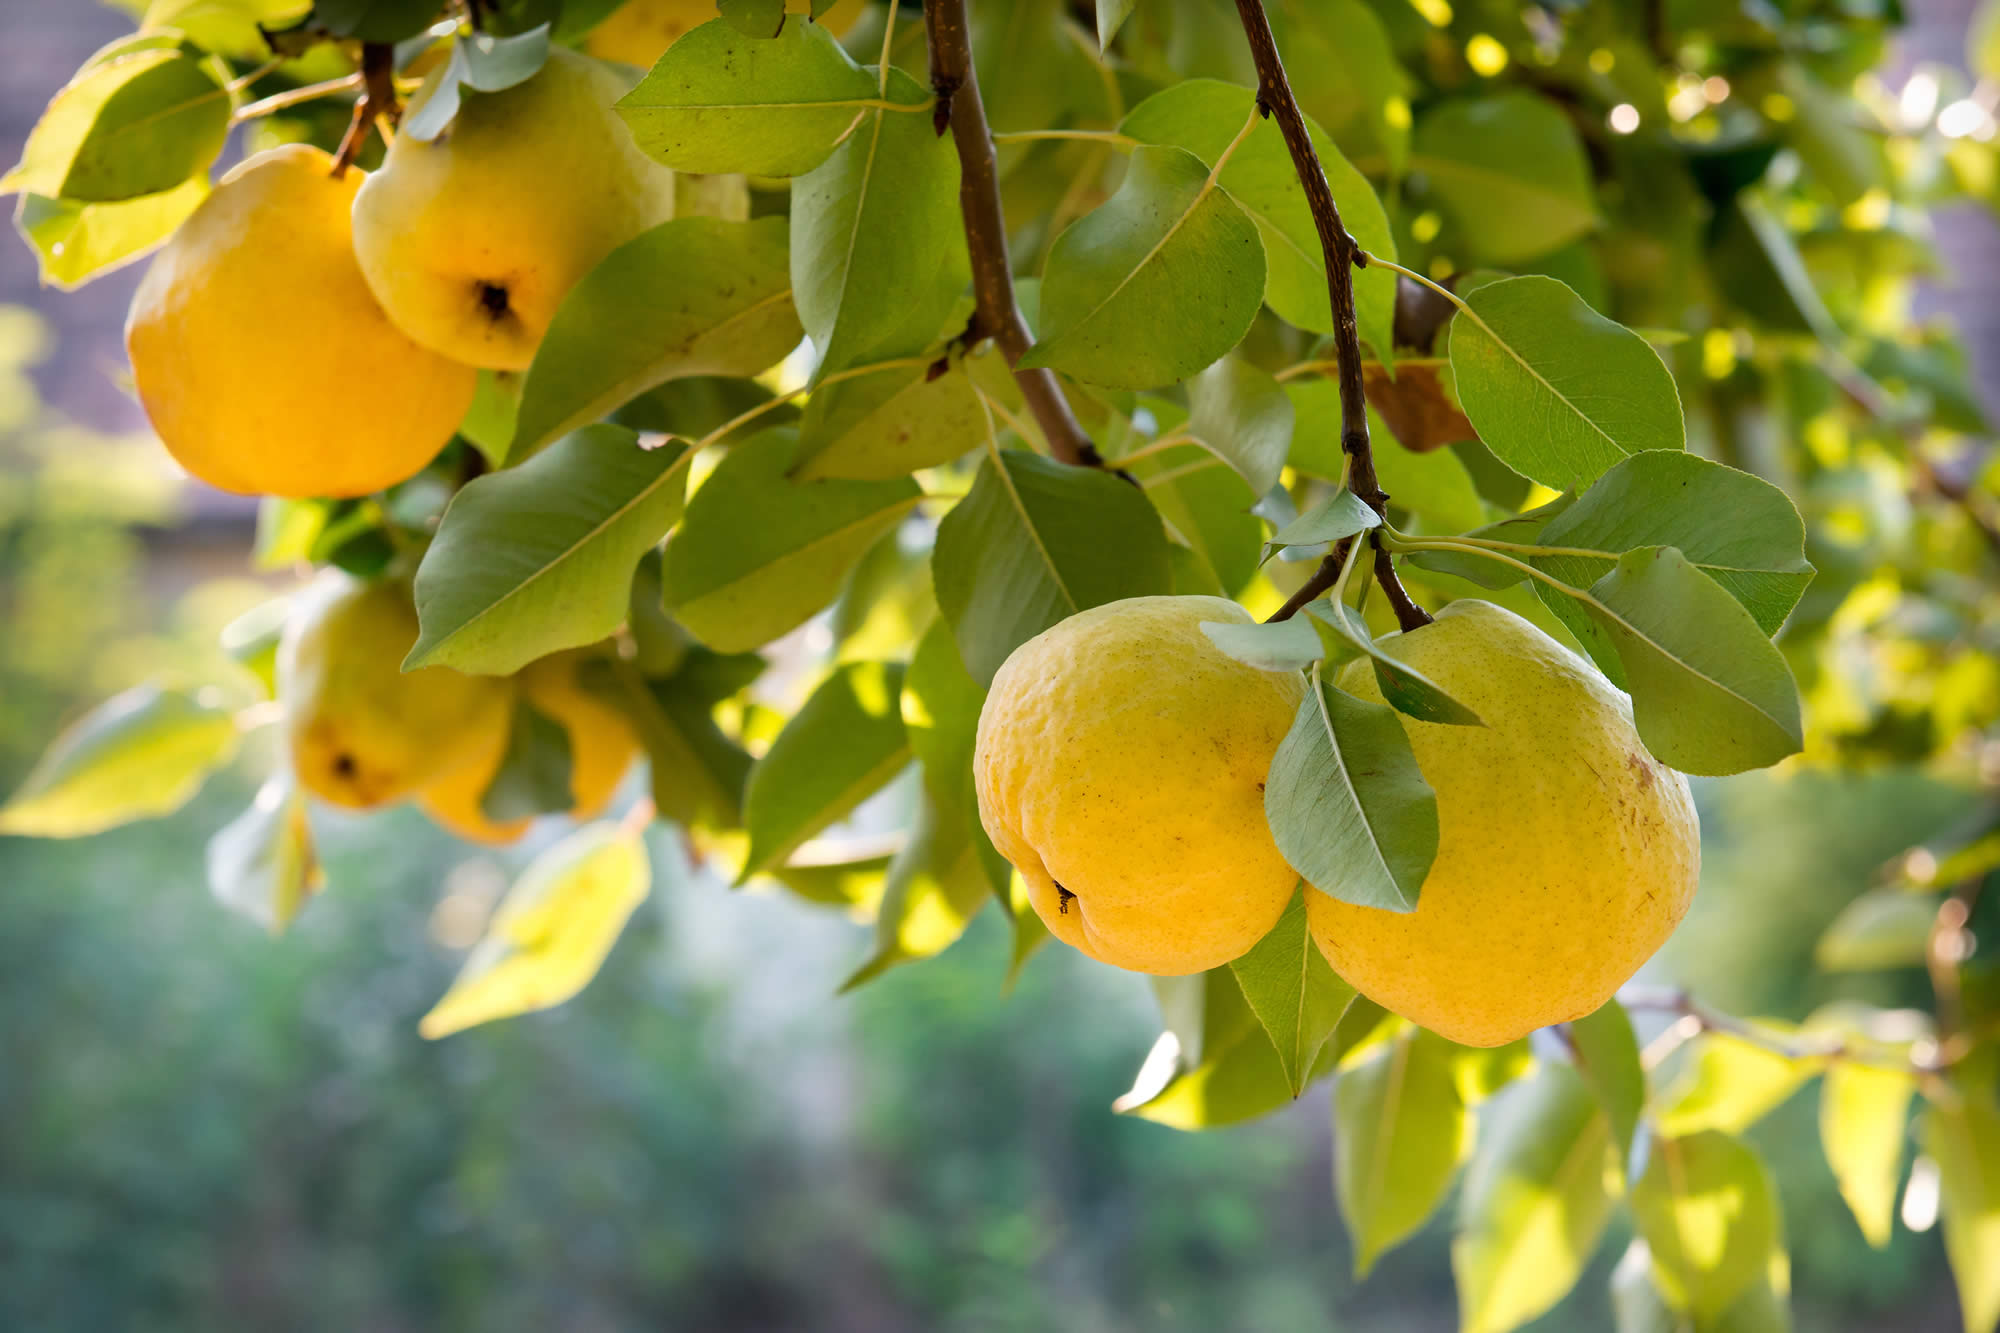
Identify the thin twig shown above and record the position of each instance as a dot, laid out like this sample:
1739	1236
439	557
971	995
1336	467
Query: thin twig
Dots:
1274	99
378	102
1322	578
998	316
1923	1061
291	97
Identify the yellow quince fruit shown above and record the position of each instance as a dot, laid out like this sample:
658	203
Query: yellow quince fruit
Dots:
1120	767
362	732
1566	853
472	239
262	358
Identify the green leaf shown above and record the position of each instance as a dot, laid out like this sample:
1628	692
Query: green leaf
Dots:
1558	392
1881	929
551	933
841	747
375	20
1208	510
940	707
754	18
1111	16
757	555
1508	173
1523	529
136	124
1033	543
1864	1115
1434	484
695	296
1735	527
1406	689
534	777
1280	645
138	755
261	863
1240	414
1479	1072
1155	284
699	774
1607	1055
720	102
1342	514
1399	1132
539	558
1215	1065
1202	116
75	242
936	886
232	27
1710	693
1345	74
1534	1205
1730	1084
483	62
1641	1307
1347	805
888	424
1295	995
878	245
1964	1140
1708	1211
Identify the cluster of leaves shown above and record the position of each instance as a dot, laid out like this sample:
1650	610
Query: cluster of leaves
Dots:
1701	172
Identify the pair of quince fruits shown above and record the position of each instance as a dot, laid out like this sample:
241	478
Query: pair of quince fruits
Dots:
363	734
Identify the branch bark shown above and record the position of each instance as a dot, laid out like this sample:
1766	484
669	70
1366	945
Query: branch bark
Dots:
378	98
998	315
1275	99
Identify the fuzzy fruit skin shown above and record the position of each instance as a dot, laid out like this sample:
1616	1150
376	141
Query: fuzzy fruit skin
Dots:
262	358
361	732
1122	756
454	803
602	745
1566	853
472	240
640	32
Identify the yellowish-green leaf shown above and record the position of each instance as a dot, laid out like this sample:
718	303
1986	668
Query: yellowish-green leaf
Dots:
1730	1084
1400	1131
262	863
1964	1140
1864	1117
137	756
1534	1205
1707	1208
551	933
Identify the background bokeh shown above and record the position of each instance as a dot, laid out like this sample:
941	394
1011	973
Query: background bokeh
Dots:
204	1128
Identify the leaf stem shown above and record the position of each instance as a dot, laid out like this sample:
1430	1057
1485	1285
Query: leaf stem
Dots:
1921	1062
292	97
1122	142
1343	256
748	415
997	315
1416	277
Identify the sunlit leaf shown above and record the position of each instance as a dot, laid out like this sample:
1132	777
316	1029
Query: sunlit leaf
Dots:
1295	995
1399	1132
552	931
1534	1204
139	755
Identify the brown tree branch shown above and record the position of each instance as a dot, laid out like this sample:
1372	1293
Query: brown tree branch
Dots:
1322	578
1274	99
998	315
378	99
